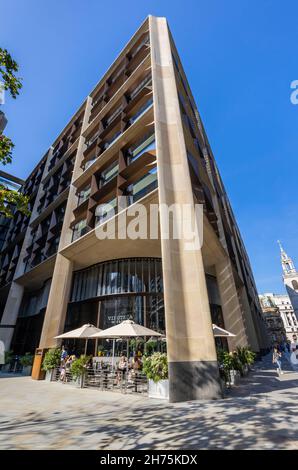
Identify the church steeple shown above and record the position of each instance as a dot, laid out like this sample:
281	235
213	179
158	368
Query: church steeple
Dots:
286	262
290	278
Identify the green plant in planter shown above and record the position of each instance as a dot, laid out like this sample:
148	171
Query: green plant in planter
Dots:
237	363
226	363
27	360
52	359
8	357
235	360
246	356
155	367
79	366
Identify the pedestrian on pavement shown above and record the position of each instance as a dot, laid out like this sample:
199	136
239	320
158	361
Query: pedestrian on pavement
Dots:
276	359
64	355
294	343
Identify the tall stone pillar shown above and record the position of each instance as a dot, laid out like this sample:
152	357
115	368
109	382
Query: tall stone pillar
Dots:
57	304
193	368
230	304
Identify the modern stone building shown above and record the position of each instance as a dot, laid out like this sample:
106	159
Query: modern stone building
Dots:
137	135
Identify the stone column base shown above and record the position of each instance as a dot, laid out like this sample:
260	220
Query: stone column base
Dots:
194	380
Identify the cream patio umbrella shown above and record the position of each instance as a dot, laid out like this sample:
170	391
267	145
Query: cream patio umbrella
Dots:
84	332
221	333
125	330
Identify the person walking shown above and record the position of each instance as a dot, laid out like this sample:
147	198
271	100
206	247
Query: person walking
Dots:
276	359
64	355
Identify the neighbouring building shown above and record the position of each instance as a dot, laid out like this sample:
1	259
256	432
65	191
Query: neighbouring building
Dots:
280	317
138	135
274	321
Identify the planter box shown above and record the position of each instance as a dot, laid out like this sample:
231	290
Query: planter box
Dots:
49	375
159	389
26	370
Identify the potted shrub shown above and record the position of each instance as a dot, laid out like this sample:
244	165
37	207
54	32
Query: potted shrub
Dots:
228	367
78	369
27	361
250	357
156	369
8	356
237	365
51	361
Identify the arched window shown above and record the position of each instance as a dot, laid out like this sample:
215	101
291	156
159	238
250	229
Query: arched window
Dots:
295	285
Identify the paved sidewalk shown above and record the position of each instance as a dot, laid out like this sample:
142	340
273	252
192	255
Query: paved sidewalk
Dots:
260	413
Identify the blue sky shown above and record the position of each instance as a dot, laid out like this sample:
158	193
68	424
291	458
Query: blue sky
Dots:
240	58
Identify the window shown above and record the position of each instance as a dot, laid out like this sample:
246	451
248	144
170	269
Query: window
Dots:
53	248
113	115
105	211
84	194
108	174
141	111
193	163
92	139
112	140
143	186
145	42
145	82
79	229
89	162
144	146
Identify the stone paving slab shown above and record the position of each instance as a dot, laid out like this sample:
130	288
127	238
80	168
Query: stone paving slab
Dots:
260	413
